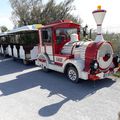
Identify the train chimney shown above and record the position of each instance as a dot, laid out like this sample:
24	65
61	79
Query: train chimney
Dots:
99	15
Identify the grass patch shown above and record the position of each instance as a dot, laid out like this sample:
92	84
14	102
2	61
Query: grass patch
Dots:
117	74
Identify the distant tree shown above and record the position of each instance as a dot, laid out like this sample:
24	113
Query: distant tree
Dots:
34	11
114	38
3	28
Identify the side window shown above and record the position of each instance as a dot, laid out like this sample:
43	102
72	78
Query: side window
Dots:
60	35
47	36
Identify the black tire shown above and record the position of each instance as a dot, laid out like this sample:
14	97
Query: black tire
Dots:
25	62
45	69
14	59
72	74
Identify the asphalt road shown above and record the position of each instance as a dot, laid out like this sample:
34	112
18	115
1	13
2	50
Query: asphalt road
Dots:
27	93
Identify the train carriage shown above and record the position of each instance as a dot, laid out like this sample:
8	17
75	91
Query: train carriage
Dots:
4	44
22	42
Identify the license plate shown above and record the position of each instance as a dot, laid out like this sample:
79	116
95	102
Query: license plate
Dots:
107	74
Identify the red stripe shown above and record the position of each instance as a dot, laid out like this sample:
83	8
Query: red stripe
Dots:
119	69
59	64
99	11
66	56
42	60
90	54
93	77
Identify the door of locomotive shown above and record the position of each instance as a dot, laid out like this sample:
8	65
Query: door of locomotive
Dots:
47	43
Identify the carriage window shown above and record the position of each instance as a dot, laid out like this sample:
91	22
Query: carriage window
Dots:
4	39
46	35
29	38
64	34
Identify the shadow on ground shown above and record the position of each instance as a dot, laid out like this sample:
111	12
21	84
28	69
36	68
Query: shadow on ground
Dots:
57	84
72	92
9	66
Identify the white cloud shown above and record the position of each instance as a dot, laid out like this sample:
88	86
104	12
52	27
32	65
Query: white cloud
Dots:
5	20
84	9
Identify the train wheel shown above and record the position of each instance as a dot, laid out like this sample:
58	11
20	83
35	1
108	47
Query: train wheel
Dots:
14	59
45	69
25	62
72	74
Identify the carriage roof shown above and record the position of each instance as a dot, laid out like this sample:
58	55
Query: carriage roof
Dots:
28	28
23	29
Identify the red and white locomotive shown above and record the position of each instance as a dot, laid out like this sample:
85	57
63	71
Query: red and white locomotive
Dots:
60	49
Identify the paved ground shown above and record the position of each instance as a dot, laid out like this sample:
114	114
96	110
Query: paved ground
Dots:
27	93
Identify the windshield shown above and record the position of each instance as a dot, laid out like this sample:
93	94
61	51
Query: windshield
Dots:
66	32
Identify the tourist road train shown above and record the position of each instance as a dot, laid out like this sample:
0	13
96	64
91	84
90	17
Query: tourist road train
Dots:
57	46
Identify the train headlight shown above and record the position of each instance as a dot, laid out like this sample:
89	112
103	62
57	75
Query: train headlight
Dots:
94	66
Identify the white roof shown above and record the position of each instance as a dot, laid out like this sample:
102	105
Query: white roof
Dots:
27	28
3	34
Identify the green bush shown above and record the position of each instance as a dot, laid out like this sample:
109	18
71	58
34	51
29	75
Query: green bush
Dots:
117	74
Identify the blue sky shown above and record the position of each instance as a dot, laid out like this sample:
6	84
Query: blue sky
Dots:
4	6
84	9
5	14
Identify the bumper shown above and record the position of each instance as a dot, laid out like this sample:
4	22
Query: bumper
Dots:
103	75
100	76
